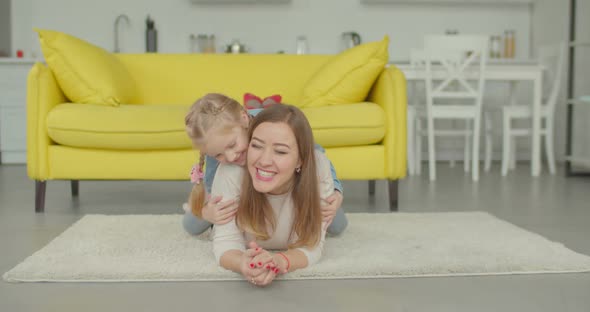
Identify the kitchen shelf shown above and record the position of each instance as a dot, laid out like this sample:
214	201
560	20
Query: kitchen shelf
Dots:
227	2
579	101
452	2
579	160
579	44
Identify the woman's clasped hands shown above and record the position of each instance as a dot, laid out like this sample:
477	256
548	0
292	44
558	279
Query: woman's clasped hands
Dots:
260	267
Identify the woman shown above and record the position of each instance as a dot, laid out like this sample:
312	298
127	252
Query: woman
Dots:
279	199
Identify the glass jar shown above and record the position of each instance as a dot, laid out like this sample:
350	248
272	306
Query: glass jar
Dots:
301	45
509	44
495	47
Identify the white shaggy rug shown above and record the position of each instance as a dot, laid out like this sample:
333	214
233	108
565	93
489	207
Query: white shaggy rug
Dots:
101	248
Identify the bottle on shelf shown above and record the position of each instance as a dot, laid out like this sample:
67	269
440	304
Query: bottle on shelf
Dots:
151	36
495	47
509	44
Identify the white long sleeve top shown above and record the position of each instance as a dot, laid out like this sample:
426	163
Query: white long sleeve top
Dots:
227	183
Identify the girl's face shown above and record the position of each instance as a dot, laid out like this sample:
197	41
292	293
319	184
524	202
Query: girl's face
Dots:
273	157
226	145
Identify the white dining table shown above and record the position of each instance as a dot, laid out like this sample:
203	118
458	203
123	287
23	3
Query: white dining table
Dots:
508	71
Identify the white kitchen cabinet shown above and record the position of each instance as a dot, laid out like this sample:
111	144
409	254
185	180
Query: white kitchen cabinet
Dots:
13	117
451	2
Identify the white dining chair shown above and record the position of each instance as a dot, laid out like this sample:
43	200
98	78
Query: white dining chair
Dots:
454	82
415	124
552	57
416	131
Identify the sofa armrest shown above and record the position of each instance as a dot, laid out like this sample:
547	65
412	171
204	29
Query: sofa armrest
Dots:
43	93
389	92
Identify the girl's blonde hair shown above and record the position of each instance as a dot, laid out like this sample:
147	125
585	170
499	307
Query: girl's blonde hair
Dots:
255	213
211	110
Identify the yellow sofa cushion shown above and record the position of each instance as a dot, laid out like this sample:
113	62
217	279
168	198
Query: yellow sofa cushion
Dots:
86	73
348	77
160	127
347	125
127	127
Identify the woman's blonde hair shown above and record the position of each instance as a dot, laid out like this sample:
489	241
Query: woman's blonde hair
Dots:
255	213
211	110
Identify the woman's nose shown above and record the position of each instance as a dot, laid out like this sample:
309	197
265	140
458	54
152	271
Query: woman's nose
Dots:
266	157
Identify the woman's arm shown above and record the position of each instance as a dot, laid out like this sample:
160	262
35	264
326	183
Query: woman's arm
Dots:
290	260
232	260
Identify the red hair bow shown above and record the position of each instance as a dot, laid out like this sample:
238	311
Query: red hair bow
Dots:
251	101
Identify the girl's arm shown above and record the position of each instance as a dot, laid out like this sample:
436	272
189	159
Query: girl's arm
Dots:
216	209
228	240
211	165
337	183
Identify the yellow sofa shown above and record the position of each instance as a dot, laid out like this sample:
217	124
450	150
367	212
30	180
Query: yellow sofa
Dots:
145	140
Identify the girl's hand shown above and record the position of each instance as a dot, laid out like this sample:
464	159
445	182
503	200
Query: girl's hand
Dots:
218	212
334	202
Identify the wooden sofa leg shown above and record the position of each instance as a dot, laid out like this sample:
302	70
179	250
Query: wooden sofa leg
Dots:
392	195
40	195
372	187
75	188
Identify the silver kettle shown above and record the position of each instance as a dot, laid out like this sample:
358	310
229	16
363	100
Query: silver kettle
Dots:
350	39
236	47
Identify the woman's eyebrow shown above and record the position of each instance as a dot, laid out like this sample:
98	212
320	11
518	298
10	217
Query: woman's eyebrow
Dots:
275	144
257	139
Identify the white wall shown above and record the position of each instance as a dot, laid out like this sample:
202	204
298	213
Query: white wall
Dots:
22	36
5	29
264	28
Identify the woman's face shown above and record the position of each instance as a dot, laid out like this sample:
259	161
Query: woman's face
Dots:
273	157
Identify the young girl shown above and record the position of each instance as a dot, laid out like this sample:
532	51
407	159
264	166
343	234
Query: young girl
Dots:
217	126
279	197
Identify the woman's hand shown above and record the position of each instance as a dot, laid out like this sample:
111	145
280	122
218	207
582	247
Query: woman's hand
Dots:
334	202
258	266
218	212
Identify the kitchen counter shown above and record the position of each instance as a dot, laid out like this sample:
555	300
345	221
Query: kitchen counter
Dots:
494	61
14	60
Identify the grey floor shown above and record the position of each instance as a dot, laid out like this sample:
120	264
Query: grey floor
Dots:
553	206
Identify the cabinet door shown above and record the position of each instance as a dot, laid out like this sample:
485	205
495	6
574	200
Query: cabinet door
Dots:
13	129
13	119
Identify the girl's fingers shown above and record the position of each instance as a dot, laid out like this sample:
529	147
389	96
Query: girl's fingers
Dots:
226	220
228	213
328	213
215	200
226	204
